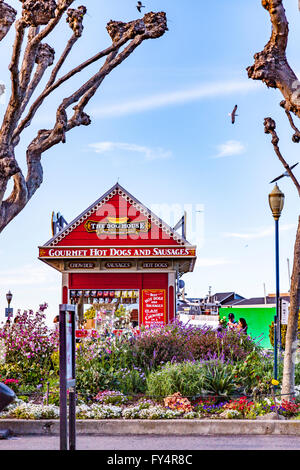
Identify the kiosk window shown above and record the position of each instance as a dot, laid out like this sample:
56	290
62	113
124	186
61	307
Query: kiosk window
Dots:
120	308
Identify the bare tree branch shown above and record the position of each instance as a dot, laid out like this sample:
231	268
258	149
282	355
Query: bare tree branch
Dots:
153	25
44	58
75	20
270	127
37	58
18	199
28	62
44	12
7	17
271	65
10	117
34	14
296	135
43	55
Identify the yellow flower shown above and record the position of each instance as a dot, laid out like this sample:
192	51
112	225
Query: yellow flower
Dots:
275	382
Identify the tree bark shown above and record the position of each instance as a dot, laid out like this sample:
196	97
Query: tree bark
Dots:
271	65
291	342
288	381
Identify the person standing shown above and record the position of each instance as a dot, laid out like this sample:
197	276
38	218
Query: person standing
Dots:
232	324
56	323
242	325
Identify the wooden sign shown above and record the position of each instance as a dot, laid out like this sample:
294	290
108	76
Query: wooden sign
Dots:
81	265
117	225
118	252
153	307
118	265
150	265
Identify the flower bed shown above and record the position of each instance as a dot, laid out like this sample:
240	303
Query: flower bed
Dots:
174	407
176	371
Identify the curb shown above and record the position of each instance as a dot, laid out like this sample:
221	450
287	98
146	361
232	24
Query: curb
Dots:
209	427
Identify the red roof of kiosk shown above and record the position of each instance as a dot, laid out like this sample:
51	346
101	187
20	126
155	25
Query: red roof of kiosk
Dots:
116	226
117	219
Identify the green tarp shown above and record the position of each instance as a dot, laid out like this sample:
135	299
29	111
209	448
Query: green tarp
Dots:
258	321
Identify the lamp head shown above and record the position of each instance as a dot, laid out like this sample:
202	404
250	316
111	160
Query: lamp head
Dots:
9	296
276	202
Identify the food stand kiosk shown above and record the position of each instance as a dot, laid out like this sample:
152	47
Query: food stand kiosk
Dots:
118	258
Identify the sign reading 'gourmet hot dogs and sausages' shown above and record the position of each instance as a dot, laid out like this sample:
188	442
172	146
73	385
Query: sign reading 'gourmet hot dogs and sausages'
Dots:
104	252
154	306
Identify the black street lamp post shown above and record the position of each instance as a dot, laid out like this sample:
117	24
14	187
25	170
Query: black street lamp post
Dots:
6	394
9	297
276	201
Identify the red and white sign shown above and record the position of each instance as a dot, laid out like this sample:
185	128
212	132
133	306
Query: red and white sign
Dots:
154	306
81	333
117	252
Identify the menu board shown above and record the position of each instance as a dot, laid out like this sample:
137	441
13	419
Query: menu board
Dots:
154	306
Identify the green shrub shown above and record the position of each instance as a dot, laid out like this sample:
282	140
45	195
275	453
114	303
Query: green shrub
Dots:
186	378
131	381
297	374
53	397
91	380
55	362
254	374
193	379
283	329
105	363
219	379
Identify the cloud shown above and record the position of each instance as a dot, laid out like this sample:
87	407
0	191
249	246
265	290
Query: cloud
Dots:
266	232
177	97
149	153
230	148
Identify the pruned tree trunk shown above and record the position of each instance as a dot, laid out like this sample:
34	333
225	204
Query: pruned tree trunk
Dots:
291	342
31	59
272	68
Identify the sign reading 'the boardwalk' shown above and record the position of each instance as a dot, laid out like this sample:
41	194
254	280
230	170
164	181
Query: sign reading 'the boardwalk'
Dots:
154	306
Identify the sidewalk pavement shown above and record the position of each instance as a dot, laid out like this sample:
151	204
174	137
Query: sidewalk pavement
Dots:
133	445
179	427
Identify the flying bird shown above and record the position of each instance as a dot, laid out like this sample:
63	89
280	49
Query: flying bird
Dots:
283	174
140	6
233	114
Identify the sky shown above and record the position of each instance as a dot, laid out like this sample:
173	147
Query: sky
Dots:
161	127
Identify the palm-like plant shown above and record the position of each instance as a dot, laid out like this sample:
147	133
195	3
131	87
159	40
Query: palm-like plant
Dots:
219	380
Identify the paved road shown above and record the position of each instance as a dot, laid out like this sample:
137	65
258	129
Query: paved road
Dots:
156	443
